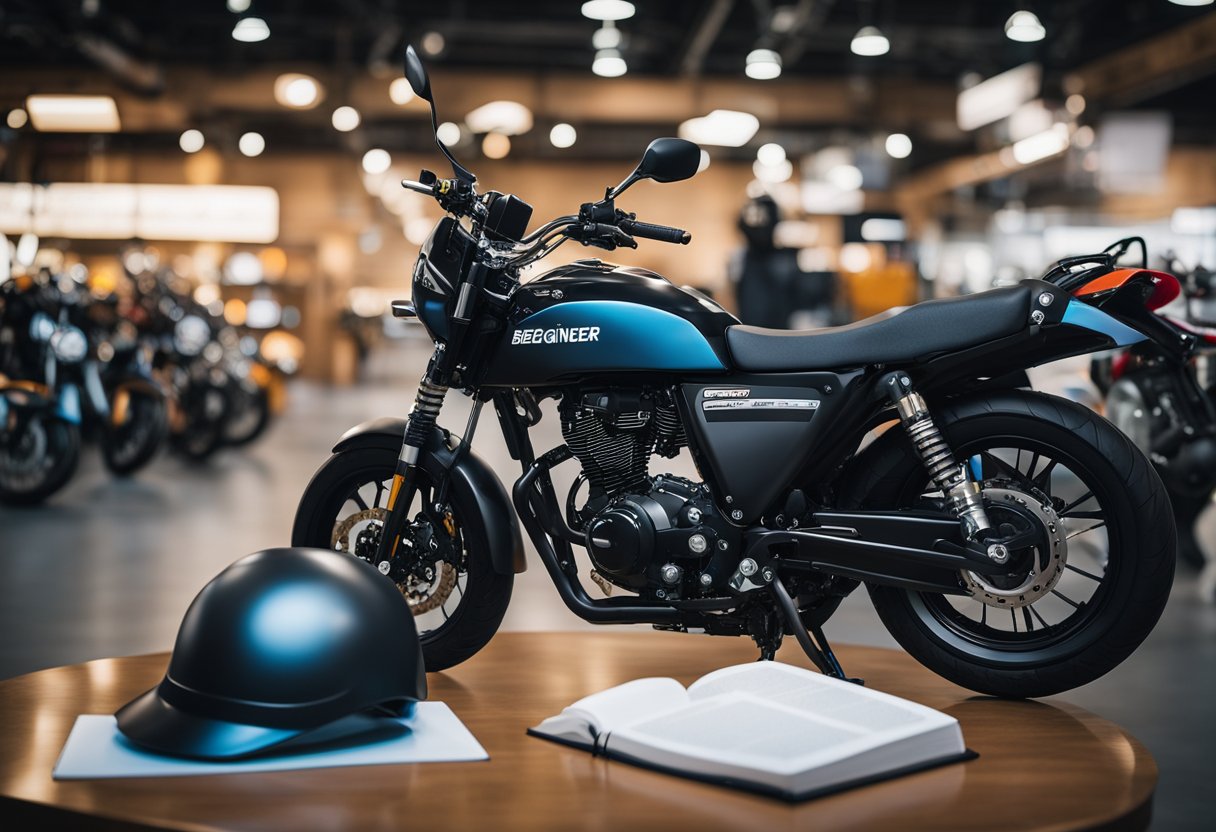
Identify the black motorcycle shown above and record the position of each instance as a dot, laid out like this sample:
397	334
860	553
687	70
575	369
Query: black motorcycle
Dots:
1013	542
1164	399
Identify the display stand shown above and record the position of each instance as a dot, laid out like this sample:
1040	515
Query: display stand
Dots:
1041	765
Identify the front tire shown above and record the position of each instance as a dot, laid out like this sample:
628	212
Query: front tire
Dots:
485	593
1136	571
131	445
40	461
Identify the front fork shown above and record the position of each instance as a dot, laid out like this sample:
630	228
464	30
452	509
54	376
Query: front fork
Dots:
961	491
418	429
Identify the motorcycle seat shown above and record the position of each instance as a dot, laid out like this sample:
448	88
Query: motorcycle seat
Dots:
891	337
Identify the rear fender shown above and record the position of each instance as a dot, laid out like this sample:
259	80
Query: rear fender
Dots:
469	475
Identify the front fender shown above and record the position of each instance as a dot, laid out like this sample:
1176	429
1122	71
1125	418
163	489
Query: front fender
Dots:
469	475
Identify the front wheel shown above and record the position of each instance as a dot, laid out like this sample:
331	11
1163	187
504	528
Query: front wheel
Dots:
37	459
1096	568
135	431
442	565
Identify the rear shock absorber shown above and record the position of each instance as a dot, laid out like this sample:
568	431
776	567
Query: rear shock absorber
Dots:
962	493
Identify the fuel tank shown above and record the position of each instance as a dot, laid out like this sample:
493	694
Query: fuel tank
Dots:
591	318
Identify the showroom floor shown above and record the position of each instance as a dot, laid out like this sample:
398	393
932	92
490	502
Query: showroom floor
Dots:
109	567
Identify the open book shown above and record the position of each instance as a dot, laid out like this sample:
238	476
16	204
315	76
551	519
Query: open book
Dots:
765	726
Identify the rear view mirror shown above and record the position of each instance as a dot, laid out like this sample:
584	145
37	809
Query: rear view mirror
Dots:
665	160
415	73
420	83
669	160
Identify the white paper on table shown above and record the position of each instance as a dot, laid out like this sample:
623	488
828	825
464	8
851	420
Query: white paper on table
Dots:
95	749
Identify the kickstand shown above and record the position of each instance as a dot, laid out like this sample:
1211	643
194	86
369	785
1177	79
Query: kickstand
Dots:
817	649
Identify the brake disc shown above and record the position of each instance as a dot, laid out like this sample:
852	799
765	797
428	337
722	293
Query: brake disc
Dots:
422	595
1038	580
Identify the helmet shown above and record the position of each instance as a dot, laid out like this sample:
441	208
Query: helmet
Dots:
280	643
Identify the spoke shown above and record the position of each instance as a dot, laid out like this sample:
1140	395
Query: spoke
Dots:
1076	502
443	609
1089	529
1013	615
1096	514
983	613
359	501
1066	599
1035	613
379	492
1042	480
1081	571
1001	466
1034	460
1026	617
460	589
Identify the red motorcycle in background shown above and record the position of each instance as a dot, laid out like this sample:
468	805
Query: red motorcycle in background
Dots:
1162	394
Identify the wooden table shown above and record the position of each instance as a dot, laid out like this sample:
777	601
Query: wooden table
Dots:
1041	766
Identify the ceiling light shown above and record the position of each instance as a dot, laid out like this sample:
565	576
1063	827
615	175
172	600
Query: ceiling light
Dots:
17	118
899	146
251	144
608	63
608	9
1042	145
448	133
845	177
763	64
433	43
606	37
376	161
73	113
770	154
250	30
293	89
238	6
1075	104
869	41
345	119
725	128
495	145
1192	2
562	135
771	174
507	117
1024	27
999	96
400	91
883	230
191	141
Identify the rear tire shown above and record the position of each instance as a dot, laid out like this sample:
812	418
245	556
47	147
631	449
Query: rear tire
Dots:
486	592
1139	566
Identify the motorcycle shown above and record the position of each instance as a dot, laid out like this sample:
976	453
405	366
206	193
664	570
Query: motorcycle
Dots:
1163	396
1013	542
39	419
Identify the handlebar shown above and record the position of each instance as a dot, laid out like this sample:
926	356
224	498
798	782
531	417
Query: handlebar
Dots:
662	233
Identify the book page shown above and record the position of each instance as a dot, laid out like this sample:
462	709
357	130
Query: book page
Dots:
629	702
737	726
814	693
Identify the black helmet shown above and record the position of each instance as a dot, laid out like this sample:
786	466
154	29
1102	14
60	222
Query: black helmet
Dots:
280	643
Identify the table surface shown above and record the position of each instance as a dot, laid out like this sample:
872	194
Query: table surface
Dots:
1044	766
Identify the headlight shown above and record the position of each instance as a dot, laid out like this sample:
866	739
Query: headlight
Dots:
69	344
190	335
42	327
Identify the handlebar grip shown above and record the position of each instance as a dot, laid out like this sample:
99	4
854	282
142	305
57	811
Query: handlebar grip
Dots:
662	233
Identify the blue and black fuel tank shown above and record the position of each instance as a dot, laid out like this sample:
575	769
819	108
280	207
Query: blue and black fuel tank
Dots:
589	318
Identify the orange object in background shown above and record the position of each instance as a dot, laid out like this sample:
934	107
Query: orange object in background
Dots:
876	284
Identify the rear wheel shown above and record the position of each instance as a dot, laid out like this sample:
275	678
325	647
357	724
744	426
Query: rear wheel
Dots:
1091	576
440	567
38	459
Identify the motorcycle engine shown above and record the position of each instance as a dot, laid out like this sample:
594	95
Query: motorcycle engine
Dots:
660	535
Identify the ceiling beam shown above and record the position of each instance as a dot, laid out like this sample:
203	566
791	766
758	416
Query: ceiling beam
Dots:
1151	67
703	37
